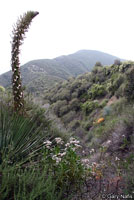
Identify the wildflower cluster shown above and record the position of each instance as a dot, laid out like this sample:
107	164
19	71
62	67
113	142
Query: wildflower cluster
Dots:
73	144
86	163
57	151
59	140
47	144
92	151
63	161
94	168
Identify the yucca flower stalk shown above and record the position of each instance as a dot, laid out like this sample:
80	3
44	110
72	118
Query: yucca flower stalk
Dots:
18	32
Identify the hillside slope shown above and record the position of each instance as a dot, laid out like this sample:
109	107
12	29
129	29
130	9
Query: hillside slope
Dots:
97	107
37	75
77	98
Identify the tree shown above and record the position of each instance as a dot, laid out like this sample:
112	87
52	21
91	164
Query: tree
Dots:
18	32
98	64
117	62
2	89
129	89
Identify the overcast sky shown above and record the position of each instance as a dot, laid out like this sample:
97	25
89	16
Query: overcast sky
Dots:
66	26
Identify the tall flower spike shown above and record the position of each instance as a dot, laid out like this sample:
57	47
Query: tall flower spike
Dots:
18	32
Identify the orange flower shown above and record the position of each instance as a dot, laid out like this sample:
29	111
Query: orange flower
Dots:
100	120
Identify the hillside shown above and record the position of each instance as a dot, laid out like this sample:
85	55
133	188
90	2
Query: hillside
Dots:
97	107
77	98
84	135
37	75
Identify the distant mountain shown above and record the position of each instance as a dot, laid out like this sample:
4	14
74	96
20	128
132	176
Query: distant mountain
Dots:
37	75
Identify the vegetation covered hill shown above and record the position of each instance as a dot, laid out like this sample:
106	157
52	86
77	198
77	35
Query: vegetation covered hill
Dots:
97	107
79	101
39	161
37	75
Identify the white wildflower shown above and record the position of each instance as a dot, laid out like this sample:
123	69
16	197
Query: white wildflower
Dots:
62	154
67	144
47	144
86	163
74	142
72	138
73	149
78	146
116	158
109	141
94	164
92	151
56	158
59	140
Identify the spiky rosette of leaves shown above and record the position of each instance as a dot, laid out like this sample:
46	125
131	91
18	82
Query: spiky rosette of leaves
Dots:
18	32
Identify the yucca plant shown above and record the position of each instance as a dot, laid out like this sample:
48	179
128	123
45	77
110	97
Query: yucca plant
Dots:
20	137
19	31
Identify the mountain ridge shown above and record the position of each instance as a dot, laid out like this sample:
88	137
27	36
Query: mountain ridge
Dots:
59	68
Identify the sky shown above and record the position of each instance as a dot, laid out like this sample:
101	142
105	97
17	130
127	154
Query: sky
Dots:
66	26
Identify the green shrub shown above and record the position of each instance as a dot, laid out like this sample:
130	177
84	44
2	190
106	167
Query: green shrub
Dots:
74	124
119	80
80	132
128	165
2	89
107	110
98	64
87	125
63	110
84	97
96	91
69	117
121	90
57	106
129	89
74	104
20	136
107	70
28	183
103	103
117	62
75	84
89	106
57	170
95	70
75	94
64	94
115	82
